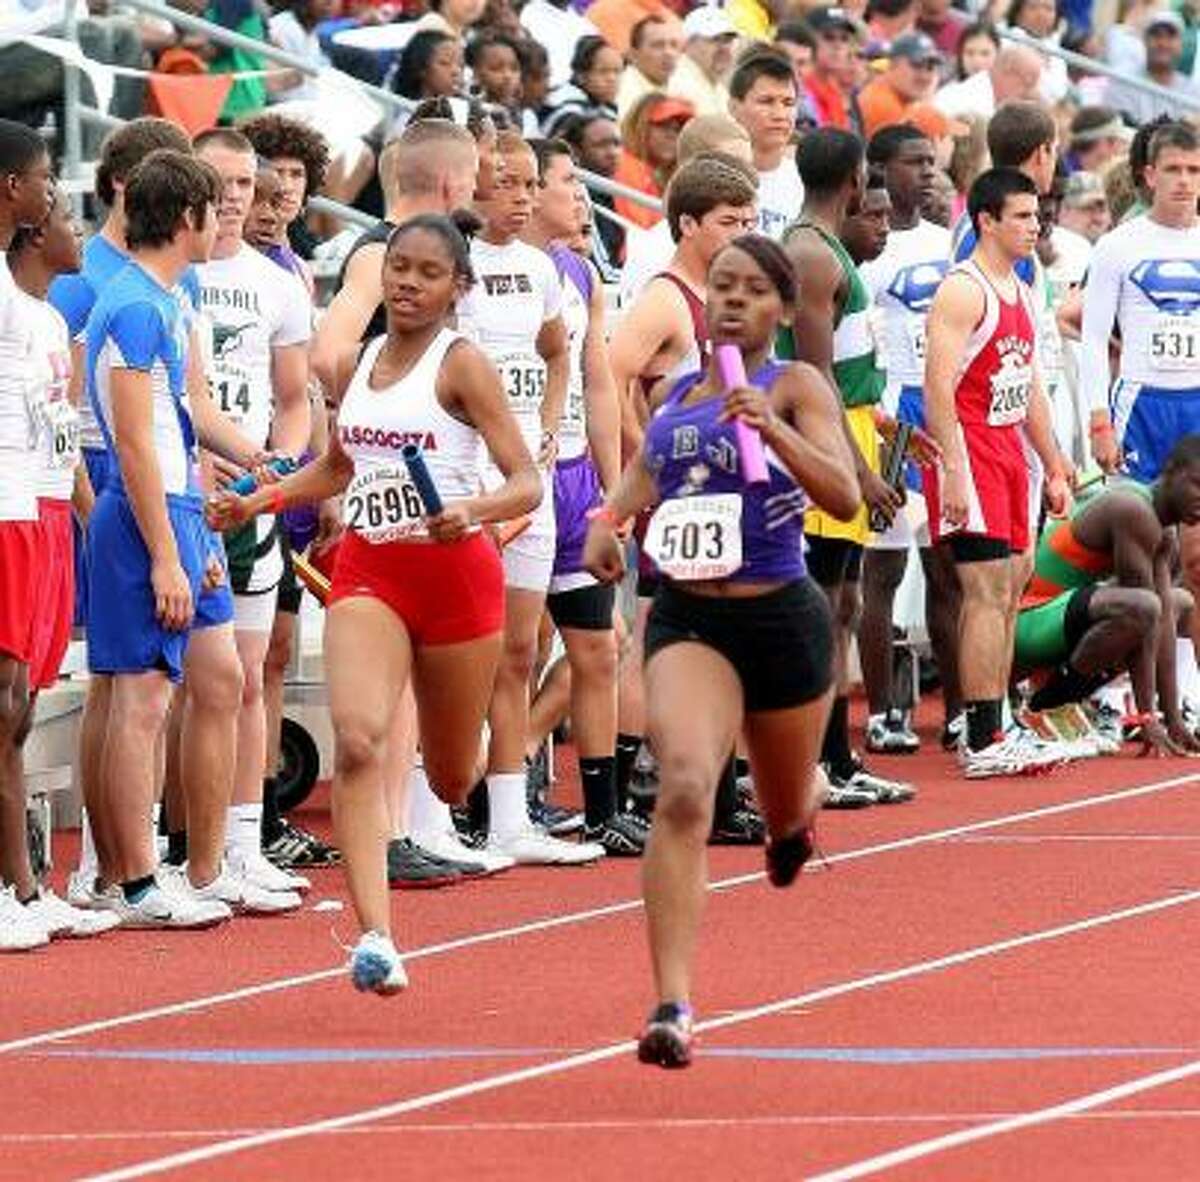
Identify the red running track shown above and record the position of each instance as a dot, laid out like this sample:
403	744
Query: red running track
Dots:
964	962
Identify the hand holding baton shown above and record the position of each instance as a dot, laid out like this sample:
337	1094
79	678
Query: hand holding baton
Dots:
893	470
753	457
244	485
418	472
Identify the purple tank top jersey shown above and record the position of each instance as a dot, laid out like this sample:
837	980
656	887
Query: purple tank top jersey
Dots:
690	453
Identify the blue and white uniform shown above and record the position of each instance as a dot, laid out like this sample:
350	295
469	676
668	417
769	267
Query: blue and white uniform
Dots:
902	282
1144	278
137	324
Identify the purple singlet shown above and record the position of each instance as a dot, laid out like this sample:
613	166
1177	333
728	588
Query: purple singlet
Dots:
691	454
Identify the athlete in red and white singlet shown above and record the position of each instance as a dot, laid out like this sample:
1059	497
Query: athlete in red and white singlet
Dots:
991	399
414	595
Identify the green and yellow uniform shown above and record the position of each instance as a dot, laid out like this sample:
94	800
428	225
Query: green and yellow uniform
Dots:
859	379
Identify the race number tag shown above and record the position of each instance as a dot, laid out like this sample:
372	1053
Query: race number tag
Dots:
697	538
62	427
1175	342
383	505
524	378
1011	385
232	391
916	338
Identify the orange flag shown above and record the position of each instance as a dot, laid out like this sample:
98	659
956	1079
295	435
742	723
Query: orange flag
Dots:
186	95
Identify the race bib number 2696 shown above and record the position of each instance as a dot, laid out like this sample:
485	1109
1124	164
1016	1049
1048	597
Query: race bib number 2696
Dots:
697	538
383	505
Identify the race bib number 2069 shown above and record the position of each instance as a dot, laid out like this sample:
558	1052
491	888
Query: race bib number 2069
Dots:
697	538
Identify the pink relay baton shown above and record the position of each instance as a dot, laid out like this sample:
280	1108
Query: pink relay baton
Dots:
732	369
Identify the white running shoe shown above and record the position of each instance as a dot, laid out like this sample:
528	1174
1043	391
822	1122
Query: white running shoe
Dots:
169	904
257	870
450	846
240	895
60	919
20	929
532	847
376	967
81	888
1016	753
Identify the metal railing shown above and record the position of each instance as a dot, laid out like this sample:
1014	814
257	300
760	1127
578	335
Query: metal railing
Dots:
1090	65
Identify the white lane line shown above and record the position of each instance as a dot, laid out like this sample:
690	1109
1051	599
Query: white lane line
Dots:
492	1083
629	1124
1078	838
173	1009
1025	1120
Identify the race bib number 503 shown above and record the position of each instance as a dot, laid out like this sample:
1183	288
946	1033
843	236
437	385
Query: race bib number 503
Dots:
383	505
697	538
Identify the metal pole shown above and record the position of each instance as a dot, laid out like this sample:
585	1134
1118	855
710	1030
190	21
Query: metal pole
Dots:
72	138
99	119
353	217
1092	66
612	216
602	184
264	49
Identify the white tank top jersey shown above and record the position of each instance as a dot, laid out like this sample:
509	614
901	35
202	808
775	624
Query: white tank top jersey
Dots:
56	419
572	433
18	434
1144	277
516	291
381	503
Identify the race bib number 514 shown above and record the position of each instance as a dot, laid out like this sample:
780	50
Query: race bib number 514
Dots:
383	505
697	538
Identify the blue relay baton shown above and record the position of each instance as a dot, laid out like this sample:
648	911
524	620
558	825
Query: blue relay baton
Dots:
414	460
245	485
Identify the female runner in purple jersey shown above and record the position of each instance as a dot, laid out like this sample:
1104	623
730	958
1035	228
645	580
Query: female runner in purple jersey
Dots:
739	637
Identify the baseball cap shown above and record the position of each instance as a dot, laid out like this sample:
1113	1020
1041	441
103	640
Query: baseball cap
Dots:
669	110
708	21
915	47
1166	19
1083	188
824	20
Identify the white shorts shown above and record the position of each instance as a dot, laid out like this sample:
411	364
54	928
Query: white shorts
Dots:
255	613
910	525
529	558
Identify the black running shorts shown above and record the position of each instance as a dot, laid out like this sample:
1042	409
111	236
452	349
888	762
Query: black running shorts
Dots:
780	644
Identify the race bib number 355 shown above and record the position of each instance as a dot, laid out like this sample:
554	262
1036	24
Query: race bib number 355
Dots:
383	505
697	538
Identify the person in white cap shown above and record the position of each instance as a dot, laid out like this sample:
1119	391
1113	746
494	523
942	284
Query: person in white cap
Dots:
1098	135
1164	44
699	76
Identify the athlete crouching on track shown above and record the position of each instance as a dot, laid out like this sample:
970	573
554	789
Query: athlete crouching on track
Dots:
412	595
739	639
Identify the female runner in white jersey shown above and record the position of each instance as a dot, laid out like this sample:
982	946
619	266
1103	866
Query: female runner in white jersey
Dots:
412	595
514	313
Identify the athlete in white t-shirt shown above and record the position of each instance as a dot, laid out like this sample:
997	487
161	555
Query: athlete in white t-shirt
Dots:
259	323
1144	280
26	194
514	313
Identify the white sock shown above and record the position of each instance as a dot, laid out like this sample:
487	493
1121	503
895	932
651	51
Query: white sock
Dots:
428	816
89	860
507	811
1187	675
243	829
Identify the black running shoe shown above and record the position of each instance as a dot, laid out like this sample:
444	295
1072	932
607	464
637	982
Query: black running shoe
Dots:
742	827
667	1039
786	857
559	821
295	848
620	836
410	868
467	869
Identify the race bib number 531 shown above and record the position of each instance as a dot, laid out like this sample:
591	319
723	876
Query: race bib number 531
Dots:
383	505
697	538
1175	342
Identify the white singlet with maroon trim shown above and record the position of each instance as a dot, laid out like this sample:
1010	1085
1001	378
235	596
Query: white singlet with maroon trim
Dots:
57	419
381	503
18	432
995	375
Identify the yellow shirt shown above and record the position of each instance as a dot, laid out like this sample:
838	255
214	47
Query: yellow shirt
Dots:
750	18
